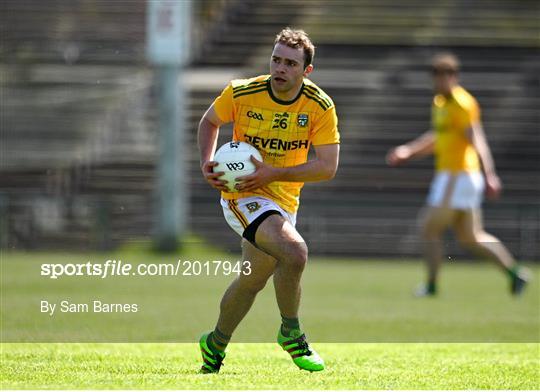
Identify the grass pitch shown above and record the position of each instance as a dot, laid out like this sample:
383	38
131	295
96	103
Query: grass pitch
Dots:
266	366
359	314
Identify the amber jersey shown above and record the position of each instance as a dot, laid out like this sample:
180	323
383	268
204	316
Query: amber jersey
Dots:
282	131
451	119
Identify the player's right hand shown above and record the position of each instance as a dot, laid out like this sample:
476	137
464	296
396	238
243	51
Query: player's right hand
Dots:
493	186
398	155
213	178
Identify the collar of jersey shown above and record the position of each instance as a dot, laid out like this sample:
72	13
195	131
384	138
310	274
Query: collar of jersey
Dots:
280	101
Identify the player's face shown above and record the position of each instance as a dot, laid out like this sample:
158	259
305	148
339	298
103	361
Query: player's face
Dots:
287	70
444	81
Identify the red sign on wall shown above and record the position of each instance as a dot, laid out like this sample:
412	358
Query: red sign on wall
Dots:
167	31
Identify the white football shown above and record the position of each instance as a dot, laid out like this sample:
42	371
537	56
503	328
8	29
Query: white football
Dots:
233	159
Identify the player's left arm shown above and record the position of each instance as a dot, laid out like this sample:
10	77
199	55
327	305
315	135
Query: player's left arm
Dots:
322	168
479	141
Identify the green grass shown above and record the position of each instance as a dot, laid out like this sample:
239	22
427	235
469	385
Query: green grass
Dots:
343	301
266	366
474	335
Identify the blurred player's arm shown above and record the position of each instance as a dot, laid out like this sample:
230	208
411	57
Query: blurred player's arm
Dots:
479	141
207	136
322	168
419	147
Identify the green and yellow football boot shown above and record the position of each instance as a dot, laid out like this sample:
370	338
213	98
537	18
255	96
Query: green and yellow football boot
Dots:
302	354
212	362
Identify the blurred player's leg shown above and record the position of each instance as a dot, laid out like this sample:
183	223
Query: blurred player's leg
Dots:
470	232
277	237
435	220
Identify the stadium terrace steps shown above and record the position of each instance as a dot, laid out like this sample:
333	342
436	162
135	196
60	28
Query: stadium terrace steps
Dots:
80	54
78	136
479	23
74	122
93	32
384	101
69	32
370	227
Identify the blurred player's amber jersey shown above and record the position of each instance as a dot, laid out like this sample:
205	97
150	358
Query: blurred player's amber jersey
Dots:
282	131
451	119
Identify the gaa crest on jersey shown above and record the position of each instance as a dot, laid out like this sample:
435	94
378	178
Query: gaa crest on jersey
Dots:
253	206
302	120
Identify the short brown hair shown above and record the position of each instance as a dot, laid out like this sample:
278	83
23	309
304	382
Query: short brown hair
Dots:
297	39
445	62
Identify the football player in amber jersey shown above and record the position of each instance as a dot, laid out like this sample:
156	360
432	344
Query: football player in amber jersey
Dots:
283	115
464	168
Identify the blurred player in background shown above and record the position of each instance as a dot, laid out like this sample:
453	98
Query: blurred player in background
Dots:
464	168
282	114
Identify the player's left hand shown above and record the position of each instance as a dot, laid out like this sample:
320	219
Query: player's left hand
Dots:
264	174
398	155
493	186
